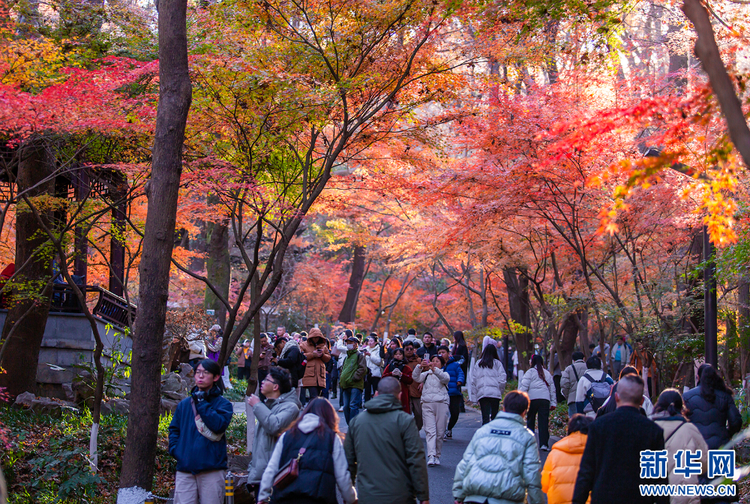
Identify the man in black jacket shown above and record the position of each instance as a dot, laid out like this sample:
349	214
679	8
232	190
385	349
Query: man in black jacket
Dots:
610	468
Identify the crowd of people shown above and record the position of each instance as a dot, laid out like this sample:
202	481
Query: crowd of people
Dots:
389	390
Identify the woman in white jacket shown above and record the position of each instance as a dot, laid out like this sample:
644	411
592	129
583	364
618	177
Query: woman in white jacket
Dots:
374	369
538	383
318	475
434	404
487	383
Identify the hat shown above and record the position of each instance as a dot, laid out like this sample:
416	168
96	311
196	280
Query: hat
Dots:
216	327
353	338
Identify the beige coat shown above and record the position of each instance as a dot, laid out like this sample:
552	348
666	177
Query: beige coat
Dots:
680	434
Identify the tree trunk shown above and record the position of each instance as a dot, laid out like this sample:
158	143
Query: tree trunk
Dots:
218	268
567	342
27	318
175	95
743	299
356	278
710	57
518	303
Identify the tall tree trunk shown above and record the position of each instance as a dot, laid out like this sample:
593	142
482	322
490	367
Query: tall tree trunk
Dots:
27	318
743	299
568	336
518	303
175	95
218	268
356	278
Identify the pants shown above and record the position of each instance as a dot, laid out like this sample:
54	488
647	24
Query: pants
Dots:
371	386
308	394
616	368
334	374
490	407
540	406
415	403
572	410
435	418
557	379
352	402
202	488
454	408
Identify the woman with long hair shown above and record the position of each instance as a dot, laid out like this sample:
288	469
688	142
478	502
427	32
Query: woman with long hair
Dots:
434	403
487	382
711	408
679	434
398	369
315	441
537	382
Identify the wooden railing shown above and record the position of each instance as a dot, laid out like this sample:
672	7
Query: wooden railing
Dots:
109	306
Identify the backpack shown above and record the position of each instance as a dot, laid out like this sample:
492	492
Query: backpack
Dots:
599	391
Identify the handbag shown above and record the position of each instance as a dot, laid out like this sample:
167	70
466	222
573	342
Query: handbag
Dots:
289	471
204	431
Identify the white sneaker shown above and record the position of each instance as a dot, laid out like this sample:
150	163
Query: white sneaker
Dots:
544	447
430	460
341	409
435	461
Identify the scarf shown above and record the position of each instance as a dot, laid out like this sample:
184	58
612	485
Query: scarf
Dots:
289	345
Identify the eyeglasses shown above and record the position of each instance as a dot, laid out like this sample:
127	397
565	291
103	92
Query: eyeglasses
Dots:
202	373
269	380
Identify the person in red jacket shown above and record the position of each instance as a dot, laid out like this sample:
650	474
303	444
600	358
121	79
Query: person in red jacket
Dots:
398	369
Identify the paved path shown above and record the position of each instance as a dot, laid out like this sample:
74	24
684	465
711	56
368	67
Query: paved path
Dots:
441	477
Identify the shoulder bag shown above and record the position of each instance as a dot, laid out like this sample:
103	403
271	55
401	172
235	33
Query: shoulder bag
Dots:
289	471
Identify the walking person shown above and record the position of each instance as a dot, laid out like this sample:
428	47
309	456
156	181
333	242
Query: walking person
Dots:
385	452
352	378
291	359
609	406
711	408
594	388
374	366
315	441
537	382
398	369
415	388
621	353
274	414
610	467
487	383
561	467
460	352
679	434
569	382
453	368
316	352
434	404
643	360
197	440
501	463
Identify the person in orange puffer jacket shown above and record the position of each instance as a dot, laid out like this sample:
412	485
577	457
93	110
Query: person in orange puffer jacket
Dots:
561	468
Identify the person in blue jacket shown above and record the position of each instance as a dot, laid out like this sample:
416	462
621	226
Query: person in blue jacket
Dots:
453	368
197	441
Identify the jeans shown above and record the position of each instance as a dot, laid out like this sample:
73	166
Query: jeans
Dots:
325	392
616	368
572	410
371	386
454	407
352	402
490	407
540	406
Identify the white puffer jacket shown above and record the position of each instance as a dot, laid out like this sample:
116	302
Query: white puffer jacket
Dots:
487	382
435	381
536	388
374	360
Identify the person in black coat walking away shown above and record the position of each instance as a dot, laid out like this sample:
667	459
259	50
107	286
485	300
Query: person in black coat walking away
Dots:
461	354
711	407
610	468
291	359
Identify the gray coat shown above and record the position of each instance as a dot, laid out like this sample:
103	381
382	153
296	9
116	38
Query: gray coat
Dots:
273	416
501	464
569	382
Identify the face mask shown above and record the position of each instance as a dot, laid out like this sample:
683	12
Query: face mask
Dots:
350	347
